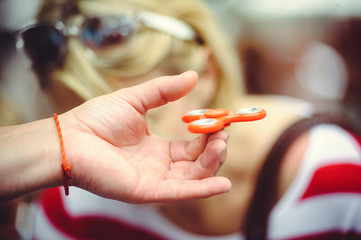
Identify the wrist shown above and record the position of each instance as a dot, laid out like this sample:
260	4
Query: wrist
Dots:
68	126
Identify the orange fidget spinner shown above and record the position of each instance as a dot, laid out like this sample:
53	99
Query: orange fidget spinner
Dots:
212	120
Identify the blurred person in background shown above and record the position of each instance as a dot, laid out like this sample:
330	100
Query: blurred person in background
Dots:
92	47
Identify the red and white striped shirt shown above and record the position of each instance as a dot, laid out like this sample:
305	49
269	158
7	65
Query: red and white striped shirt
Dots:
324	200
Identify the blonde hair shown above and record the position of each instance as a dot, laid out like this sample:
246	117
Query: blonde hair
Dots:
147	50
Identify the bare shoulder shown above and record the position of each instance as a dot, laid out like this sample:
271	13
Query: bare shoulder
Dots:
259	137
281	113
291	163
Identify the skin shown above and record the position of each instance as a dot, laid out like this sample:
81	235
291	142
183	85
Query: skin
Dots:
248	145
112	152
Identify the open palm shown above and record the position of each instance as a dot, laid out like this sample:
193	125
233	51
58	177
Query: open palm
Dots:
114	155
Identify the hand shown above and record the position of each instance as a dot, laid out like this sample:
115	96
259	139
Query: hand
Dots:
113	154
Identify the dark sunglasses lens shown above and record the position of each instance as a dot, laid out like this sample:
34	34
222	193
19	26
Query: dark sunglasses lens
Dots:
101	32
45	46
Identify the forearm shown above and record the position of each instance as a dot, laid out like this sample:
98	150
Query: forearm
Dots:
30	158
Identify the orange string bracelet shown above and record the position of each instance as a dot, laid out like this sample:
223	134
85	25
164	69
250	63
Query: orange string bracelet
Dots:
64	165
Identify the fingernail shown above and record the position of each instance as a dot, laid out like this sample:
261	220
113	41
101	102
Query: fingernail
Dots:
185	73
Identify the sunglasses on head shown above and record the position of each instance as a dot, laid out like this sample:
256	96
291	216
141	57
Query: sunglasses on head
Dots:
46	44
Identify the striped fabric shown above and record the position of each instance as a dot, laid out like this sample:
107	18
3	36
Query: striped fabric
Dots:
324	200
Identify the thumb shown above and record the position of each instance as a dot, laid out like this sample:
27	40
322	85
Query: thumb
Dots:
162	90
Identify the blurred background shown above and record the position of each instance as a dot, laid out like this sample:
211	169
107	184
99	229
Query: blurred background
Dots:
20	98
306	49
